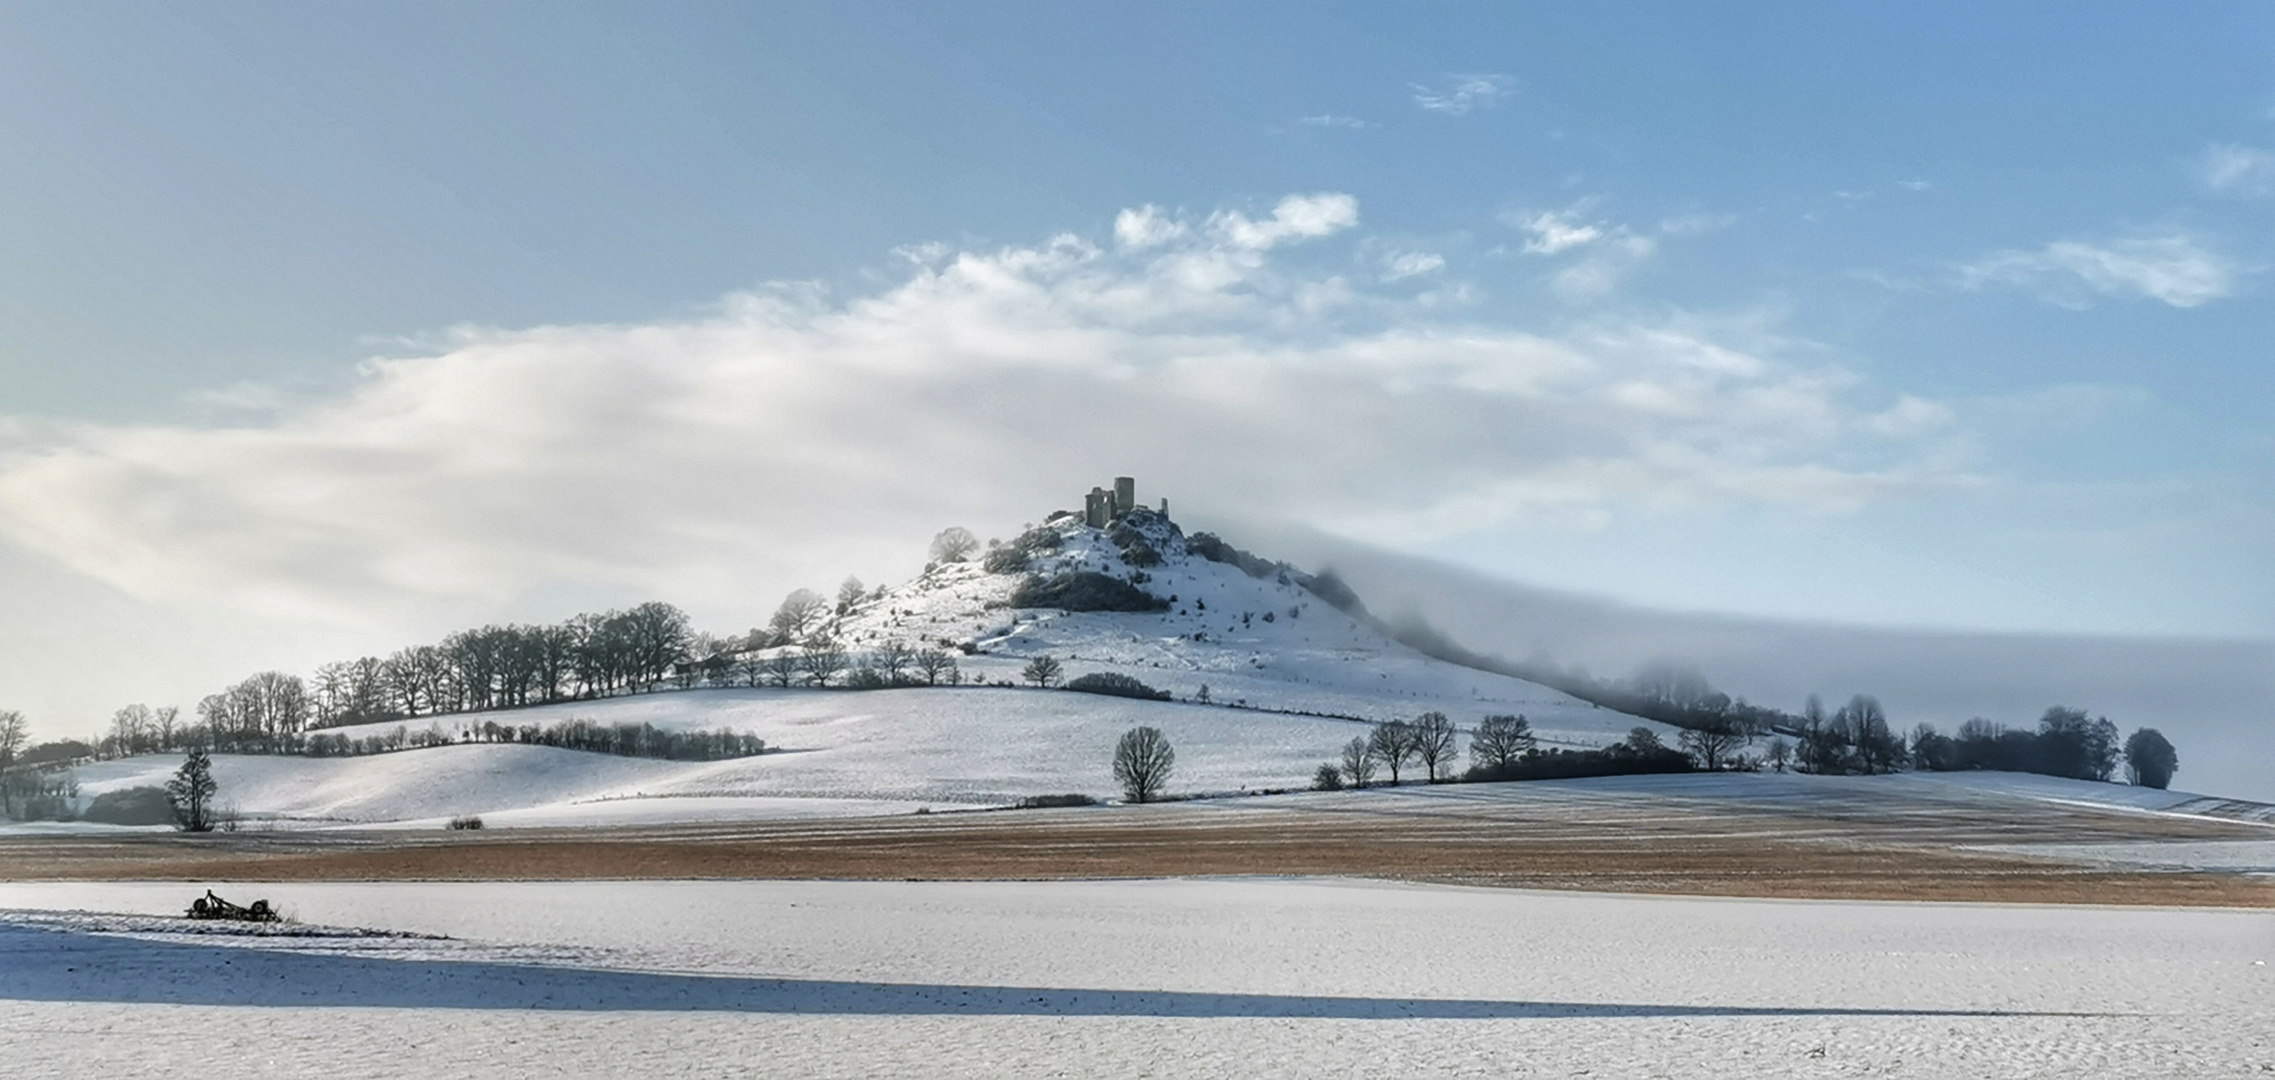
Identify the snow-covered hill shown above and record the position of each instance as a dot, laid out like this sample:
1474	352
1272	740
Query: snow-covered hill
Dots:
1263	639
1269	679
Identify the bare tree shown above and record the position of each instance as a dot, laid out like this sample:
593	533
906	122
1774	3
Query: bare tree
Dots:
1712	744
893	661
1864	725
750	670
821	661
131	730
849	593
1780	753
782	668
657	637
1142	763
1358	761
1043	672
953	544
1434	747
1501	741
192	790
1392	744
798	615
936	666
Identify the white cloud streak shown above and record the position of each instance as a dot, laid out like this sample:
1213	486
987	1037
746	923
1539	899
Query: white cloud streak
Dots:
1408	264
2172	269
792	436
1555	231
1610	250
2235	169
1459	95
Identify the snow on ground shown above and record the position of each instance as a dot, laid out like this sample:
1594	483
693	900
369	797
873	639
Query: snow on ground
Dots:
895	751
882	751
2216	856
1153	978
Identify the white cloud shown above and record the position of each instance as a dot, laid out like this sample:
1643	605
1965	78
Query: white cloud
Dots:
1459	94
1555	231
1297	217
1145	226
793	437
2234	169
1609	251
1915	185
2172	269
1329	120
1411	264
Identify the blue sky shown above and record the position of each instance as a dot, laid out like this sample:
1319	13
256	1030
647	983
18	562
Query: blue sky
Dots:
1980	292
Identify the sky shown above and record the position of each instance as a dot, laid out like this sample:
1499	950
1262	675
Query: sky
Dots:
325	328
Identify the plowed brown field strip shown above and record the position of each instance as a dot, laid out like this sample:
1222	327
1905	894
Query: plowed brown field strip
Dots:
1863	846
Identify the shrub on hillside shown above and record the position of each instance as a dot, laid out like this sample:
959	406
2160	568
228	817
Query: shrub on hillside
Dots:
131	806
465	822
1012	558
1115	684
1084	590
1005	560
1052	802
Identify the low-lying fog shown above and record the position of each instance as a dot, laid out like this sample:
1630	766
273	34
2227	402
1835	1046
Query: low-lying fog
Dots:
2212	698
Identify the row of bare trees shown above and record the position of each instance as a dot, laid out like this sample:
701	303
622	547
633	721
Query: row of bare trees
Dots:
590	655
1429	740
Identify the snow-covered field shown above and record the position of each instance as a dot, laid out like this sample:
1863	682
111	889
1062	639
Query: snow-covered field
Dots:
886	751
840	752
1299	977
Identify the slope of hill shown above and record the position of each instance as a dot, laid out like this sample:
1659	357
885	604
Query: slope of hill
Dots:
1269	679
1260	636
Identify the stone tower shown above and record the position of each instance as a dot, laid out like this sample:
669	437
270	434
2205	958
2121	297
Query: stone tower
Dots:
1101	507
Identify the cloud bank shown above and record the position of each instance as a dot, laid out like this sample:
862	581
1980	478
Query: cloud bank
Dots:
1234	360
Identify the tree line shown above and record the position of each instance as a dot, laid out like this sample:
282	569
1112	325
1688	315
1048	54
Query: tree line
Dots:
1855	739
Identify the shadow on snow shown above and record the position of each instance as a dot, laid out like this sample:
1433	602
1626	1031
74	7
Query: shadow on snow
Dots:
40	964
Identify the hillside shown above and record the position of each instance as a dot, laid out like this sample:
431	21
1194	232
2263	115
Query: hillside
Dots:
1259	636
1268	679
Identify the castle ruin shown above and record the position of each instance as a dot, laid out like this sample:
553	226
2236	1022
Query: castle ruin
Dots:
1101	507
